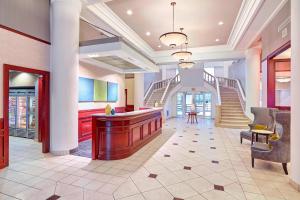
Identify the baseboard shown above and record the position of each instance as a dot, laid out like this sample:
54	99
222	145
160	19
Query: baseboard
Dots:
295	185
64	152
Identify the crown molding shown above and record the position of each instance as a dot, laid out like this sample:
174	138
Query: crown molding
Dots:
246	14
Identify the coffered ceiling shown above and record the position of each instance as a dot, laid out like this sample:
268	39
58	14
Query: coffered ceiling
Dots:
199	18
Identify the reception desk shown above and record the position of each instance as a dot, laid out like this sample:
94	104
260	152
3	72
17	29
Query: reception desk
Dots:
119	136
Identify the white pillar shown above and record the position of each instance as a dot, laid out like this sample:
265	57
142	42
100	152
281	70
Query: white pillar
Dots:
138	90
264	82
252	79
295	92
64	75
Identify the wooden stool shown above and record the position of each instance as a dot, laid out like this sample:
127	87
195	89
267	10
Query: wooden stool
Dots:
192	116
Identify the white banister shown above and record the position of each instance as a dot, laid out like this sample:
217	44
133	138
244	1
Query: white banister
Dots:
176	80
218	92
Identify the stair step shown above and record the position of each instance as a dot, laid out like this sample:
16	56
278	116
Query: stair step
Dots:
235	121
234	126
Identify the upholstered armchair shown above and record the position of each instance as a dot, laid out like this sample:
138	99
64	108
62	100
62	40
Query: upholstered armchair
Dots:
278	149
263	117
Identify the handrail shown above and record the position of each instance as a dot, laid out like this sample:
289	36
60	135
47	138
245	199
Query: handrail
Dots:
210	79
148	90
176	80
155	86
218	92
235	84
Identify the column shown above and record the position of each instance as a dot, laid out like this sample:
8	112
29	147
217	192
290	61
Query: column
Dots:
138	90
252	79
295	93
64	75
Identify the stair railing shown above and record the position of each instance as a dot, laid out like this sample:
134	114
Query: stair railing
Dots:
173	81
235	84
155	86
210	79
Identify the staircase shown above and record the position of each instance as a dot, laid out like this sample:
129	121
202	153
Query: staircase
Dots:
232	113
158	91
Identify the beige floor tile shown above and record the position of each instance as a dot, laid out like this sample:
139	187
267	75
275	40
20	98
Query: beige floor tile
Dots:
126	189
158	194
181	190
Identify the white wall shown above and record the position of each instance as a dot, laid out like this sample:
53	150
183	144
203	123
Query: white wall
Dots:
129	85
21	51
89	71
191	77
237	70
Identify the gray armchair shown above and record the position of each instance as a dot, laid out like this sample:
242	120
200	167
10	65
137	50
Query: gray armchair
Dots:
262	116
277	150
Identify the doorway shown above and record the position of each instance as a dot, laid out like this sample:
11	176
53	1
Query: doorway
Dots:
19	108
201	100
279	78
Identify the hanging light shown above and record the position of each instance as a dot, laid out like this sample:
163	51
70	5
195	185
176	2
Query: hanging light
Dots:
182	54
186	64
173	39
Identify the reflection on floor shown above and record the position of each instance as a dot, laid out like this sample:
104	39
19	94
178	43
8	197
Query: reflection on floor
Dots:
191	162
84	149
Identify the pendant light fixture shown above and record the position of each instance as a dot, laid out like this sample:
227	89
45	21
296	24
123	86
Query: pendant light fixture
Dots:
173	39
186	64
182	54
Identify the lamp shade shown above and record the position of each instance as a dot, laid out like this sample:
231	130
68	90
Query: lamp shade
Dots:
186	64
173	39
182	55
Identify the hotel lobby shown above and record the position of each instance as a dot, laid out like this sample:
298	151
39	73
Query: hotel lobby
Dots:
149	100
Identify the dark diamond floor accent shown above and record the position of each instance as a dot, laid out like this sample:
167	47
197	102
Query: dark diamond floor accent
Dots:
84	149
166	155
196	134
211	139
175	143
192	151
215	161
53	197
219	187
175	198
195	141
152	175
187	168
212	147
180	136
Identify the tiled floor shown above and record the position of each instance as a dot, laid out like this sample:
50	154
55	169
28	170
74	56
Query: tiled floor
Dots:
183	163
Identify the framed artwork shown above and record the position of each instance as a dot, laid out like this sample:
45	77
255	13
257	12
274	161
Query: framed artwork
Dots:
112	92
100	90
91	90
86	89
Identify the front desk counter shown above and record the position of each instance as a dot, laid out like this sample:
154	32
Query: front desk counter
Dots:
121	135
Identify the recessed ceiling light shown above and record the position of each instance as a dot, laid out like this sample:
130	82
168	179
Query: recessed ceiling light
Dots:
148	33
220	23
129	12
217	40
159	46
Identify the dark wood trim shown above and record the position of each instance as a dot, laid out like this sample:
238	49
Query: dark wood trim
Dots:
24	34
44	107
118	137
85	121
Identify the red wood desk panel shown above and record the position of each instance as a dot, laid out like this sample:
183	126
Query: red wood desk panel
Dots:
119	136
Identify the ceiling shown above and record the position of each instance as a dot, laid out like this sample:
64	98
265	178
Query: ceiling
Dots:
116	62
199	18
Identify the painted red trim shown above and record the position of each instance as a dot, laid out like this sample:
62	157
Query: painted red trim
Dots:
280	50
44	118
271	74
271	84
2	156
24	34
283	107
